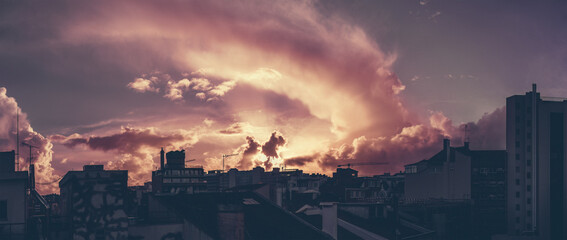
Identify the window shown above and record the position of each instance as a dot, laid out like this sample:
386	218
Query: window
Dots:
517	207
529	162
529	188
517	181
3	209
517	169
517	156
529	213
529	136
517	144
517	194
529	175
529	148
529	200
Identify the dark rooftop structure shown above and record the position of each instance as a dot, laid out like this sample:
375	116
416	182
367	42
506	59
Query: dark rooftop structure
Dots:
240	215
7	161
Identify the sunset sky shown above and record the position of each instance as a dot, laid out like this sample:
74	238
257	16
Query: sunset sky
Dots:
311	84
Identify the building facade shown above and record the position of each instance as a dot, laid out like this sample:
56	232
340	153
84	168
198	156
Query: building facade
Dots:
446	175
536	182
93	203
13	199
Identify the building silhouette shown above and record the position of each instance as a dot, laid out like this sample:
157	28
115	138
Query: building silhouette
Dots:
93	204
536	186
13	200
24	213
462	179
174	177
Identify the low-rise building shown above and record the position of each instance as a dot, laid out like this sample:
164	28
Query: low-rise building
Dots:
13	198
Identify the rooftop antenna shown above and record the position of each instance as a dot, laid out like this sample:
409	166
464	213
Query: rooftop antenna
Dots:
17	138
225	156
31	146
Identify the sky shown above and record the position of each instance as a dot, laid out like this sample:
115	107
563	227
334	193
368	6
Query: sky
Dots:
301	84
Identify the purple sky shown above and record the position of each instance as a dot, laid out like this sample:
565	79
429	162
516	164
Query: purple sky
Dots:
307	83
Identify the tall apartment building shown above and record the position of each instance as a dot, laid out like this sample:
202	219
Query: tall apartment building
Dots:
536	182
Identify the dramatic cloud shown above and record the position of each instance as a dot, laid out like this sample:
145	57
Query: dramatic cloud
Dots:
270	148
214	73
136	149
176	89
129	140
46	178
412	144
202	87
143	85
250	151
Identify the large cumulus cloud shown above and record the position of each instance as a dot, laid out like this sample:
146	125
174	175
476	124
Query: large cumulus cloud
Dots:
412	144
46	178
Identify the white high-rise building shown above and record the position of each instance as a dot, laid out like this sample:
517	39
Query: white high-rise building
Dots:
535	141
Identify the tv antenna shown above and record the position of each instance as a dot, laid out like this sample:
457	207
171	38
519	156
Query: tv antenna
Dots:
226	156
31	146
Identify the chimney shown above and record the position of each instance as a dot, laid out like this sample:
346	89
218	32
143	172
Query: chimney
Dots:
161	159
534	88
329	215
447	148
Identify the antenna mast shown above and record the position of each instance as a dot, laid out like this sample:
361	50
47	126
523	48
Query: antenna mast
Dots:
17	138
31	146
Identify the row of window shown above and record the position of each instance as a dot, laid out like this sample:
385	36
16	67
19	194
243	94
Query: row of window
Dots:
528	147
181	180
528	212
186	172
528	200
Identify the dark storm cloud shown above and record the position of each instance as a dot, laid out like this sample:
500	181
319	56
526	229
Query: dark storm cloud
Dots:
250	151
300	161
130	140
270	148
